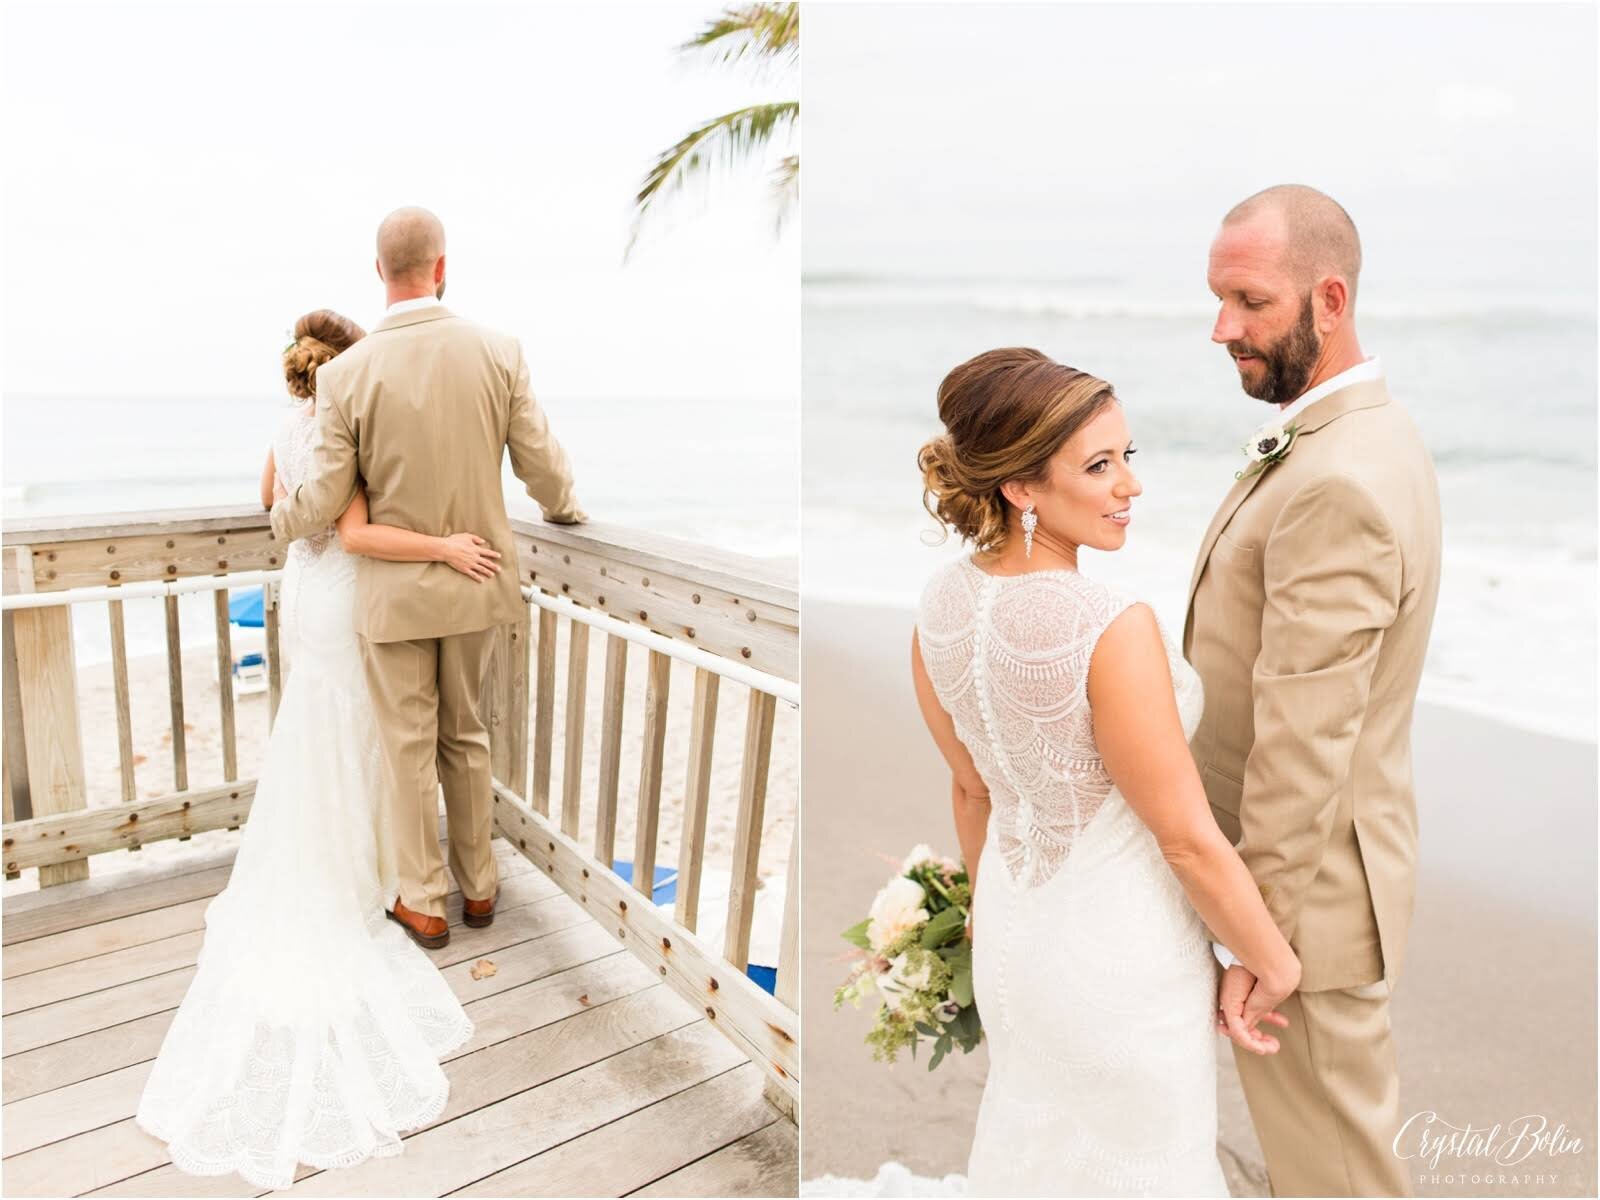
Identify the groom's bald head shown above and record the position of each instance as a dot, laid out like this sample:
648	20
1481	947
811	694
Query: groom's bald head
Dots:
410	245
1316	235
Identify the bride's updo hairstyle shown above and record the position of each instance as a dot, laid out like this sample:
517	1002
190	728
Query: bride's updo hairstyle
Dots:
318	336
1005	413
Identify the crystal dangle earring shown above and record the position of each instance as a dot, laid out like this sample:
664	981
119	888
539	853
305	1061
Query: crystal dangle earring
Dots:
1029	520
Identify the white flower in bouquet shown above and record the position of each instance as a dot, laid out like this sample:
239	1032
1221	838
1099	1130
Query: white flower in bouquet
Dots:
896	909
902	980
920	853
923	855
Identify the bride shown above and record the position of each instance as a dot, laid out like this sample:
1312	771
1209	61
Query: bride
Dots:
313	1029
1064	712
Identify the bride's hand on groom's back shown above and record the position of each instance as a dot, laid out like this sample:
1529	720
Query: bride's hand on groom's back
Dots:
1242	1004
470	554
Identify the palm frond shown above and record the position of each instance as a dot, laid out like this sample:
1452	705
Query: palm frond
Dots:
786	188
728	140
765	31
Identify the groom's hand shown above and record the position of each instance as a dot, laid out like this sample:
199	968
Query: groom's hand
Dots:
1240	1006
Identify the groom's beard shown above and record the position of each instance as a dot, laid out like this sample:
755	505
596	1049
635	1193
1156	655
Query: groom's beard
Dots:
1286	366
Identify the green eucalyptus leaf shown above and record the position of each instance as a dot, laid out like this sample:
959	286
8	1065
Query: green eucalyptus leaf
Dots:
942	927
961	988
856	935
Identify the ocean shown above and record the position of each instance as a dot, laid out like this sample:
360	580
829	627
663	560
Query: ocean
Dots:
1504	390
720	472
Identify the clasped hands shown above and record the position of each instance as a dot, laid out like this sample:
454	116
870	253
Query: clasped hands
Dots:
1242	1004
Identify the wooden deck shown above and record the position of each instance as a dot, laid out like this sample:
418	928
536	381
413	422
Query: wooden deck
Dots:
586	1076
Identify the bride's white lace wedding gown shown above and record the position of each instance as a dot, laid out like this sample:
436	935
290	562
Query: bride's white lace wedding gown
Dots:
313	1029
1092	972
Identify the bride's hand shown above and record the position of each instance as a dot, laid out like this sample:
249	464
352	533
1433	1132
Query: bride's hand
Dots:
1242	1004
471	555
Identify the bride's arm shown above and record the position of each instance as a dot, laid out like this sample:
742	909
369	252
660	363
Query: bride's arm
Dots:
969	797
268	474
1140	737
466	552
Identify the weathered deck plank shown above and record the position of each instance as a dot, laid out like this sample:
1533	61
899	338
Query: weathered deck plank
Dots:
84	1057
101	972
638	1149
446	1157
21	924
763	1164
104	937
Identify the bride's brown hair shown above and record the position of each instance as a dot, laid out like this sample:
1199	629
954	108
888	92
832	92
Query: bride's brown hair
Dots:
318	336
1005	413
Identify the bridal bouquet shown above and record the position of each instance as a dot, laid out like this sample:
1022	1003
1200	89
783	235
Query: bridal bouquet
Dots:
913	950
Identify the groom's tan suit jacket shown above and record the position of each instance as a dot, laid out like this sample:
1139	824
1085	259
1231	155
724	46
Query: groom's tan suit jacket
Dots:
423	408
1308	621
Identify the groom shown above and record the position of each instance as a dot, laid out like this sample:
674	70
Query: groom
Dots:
1308	621
423	409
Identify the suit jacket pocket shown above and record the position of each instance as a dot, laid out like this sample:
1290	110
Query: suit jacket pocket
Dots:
1233	552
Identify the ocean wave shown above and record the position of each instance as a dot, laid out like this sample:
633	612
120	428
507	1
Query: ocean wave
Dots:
1083	304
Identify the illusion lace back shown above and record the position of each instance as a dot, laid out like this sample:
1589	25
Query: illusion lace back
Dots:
1091	970
313	1029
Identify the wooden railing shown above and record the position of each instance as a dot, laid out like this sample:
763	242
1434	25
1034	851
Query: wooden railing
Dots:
729	619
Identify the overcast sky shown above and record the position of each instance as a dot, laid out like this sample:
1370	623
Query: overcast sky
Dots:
183	181
1078	140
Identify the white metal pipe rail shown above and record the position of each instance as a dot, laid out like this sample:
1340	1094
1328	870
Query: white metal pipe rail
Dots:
774	685
134	591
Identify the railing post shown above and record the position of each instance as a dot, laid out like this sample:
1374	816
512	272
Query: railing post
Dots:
19	806
544	713
47	687
270	598
508	705
788	986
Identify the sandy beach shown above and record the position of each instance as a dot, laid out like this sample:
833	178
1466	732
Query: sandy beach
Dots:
1494	1015
152	744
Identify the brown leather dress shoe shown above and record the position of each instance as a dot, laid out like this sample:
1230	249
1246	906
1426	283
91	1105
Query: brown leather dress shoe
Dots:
479	913
427	932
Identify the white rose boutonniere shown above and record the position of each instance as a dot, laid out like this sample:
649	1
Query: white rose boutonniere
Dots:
1269	444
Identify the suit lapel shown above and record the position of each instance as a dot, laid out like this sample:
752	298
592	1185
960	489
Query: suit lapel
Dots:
1330	408
1230	505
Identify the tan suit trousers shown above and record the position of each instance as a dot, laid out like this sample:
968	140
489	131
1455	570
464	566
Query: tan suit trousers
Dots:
425	694
1326	1106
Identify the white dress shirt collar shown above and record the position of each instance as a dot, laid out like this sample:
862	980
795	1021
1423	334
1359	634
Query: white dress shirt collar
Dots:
416	302
1362	372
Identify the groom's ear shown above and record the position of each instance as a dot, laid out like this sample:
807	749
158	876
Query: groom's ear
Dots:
1334	294
377	265
438	270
